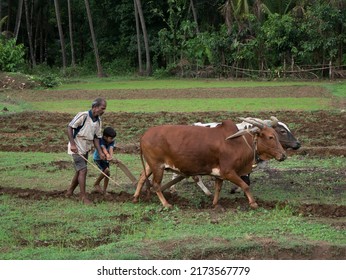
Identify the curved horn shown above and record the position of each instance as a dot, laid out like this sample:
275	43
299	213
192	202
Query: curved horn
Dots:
237	134
244	131
254	122
274	120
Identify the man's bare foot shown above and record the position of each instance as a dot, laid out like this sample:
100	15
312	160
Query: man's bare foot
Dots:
69	193
85	200
98	189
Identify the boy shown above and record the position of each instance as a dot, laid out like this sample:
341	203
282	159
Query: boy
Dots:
107	146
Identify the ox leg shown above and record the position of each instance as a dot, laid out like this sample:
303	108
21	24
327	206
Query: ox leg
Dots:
199	182
218	185
144	176
246	179
239	182
157	179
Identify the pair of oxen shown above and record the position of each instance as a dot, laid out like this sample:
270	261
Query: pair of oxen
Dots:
226	151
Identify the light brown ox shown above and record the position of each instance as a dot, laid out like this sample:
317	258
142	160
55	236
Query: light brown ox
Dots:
194	150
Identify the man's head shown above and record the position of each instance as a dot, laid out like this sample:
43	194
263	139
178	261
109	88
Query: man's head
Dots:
98	106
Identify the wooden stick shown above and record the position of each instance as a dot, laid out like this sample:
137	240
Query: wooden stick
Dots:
104	174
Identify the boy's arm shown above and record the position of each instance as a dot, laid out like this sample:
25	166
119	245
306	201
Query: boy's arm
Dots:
98	147
111	151
107	155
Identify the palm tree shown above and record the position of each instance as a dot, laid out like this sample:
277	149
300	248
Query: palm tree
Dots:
93	37
18	18
145	36
235	11
73	63
28	28
61	34
194	13
140	66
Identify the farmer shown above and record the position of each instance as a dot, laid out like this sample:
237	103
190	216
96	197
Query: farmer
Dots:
84	131
107	146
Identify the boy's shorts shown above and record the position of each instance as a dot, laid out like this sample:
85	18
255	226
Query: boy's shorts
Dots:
79	162
102	164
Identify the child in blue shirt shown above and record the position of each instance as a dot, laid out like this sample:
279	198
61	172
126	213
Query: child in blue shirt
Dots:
107	145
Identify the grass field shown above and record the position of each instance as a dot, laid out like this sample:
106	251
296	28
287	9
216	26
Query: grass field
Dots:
302	200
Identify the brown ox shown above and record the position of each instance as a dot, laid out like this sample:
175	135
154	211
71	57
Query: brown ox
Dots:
194	150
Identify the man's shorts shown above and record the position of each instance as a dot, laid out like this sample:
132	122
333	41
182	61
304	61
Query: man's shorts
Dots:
102	164
79	162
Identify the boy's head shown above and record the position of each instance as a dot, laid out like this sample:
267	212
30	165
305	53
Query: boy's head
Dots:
109	132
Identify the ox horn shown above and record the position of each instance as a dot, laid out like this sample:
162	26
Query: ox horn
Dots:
242	132
274	121
254	122
237	134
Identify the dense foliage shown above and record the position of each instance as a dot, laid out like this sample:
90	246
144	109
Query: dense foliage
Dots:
185	37
11	55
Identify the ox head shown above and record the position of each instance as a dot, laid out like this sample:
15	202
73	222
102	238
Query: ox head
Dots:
268	145
286	138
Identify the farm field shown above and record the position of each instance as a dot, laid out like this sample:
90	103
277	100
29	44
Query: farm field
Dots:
302	200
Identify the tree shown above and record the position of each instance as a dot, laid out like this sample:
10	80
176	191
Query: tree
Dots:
28	29
73	62
194	13
18	18
140	66
145	37
61	34
100	72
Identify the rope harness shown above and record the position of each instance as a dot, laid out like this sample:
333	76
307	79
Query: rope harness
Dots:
256	158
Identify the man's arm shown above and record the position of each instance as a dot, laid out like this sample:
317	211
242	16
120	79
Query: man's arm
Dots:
73	145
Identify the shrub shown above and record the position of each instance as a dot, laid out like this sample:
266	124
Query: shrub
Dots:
48	80
11	55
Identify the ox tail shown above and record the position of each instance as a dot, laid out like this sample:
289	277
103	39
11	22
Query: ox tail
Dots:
147	181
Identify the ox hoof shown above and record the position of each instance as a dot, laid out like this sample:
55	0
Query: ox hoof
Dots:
254	205
219	208
168	206
236	190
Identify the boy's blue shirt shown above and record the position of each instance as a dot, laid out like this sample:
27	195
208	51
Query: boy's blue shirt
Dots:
106	145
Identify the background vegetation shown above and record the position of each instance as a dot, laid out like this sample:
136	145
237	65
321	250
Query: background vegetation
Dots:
193	38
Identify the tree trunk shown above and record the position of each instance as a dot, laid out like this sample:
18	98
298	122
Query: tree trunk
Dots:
194	13
18	18
28	28
61	34
139	50
9	19
73	62
145	36
93	37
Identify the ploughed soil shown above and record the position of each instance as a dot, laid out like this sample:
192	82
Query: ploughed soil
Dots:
321	133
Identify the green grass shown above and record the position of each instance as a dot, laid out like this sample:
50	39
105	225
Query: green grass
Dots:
61	229
14	104
149	83
191	105
338	88
54	171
